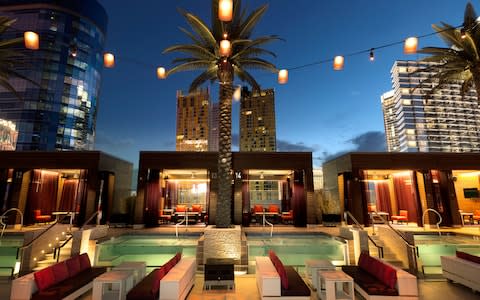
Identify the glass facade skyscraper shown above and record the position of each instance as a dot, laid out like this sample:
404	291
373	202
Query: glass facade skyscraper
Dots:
60	113
444	121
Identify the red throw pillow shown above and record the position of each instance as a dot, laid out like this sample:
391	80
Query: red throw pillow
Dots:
178	257
84	262
44	278
468	256
160	273
389	276
60	271
363	260
282	272
73	265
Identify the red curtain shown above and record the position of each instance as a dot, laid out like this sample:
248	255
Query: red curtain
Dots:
152	200
42	193
382	194
405	194
69	195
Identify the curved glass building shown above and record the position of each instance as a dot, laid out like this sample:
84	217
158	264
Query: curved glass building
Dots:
60	112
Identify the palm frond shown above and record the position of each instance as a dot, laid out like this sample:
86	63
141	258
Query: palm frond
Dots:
190	66
469	17
255	52
257	63
246	77
195	50
209	74
252	21
200	28
195	39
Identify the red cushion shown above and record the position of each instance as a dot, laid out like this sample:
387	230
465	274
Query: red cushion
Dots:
468	256
44	278
160	273
73	265
363	260
181	208
84	262
283	274
60	271
178	257
389	276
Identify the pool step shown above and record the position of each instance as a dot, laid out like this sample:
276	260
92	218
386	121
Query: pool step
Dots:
388	255
48	259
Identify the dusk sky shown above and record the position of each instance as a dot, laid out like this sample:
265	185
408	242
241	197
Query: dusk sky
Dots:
320	110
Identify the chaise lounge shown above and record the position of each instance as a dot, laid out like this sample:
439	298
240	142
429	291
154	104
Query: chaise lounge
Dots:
462	268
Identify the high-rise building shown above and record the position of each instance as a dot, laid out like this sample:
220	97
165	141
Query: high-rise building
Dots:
257	120
60	113
192	120
418	122
8	135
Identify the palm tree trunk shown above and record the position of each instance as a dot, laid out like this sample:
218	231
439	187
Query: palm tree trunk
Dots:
223	217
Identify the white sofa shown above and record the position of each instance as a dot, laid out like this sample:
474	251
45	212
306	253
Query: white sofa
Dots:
462	271
178	282
269	282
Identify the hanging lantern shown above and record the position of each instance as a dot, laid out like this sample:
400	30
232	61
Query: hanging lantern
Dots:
283	76
338	63
108	60
31	40
410	45
225	48
161	73
237	94
225	10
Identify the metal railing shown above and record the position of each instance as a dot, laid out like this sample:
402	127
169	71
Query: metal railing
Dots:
379	248
412	249
5	213
439	219
56	251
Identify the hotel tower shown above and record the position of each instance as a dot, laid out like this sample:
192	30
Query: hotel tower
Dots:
441	122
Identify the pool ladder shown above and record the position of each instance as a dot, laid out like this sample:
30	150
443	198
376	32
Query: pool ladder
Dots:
5	213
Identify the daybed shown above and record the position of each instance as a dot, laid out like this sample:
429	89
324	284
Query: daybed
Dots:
276	281
463	268
376	279
172	281
68	279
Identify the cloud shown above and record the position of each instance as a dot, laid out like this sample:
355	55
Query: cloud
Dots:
286	146
104	141
370	141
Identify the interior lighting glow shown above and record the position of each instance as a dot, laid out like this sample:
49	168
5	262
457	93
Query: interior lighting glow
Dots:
283	76
31	40
410	46
225	10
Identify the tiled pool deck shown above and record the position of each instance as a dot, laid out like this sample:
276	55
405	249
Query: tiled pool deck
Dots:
245	285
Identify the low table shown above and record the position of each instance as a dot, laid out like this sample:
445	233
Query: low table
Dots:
334	285
219	272
137	267
105	285
312	266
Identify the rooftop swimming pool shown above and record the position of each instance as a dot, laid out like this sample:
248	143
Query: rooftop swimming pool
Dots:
294	249
155	250
9	245
431	247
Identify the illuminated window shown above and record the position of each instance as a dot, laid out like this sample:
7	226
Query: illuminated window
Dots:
407	102
412	144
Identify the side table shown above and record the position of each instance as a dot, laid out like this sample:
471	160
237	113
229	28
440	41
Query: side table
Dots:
333	285
104	286
312	266
137	267
219	272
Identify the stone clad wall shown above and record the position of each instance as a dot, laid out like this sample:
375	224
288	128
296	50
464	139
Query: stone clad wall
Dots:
222	243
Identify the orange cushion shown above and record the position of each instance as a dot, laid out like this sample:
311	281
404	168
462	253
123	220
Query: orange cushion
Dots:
181	208
258	208
196	207
273	208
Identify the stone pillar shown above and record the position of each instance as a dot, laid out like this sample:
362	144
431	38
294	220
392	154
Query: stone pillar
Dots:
222	243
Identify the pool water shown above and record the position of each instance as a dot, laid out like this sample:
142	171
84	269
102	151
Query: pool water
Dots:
431	247
9	245
155	250
293	250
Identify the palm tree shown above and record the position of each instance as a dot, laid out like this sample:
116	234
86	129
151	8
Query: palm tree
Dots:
203	54
10	57
460	62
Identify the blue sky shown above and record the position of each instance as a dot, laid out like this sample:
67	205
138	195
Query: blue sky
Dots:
320	110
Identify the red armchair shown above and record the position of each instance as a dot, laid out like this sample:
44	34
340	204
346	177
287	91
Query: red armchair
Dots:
402	217
287	217
39	218
476	216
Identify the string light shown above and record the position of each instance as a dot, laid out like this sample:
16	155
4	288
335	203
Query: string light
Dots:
410	46
338	63
371	55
